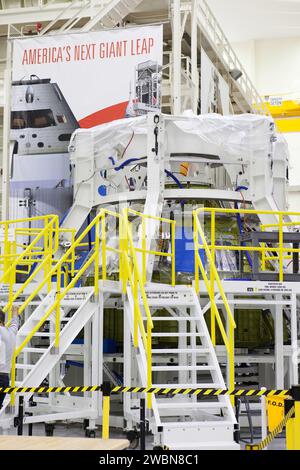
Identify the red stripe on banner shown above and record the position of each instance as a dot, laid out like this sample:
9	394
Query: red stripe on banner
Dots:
117	111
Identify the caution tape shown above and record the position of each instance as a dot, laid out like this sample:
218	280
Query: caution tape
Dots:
202	391
155	390
270	437
10	390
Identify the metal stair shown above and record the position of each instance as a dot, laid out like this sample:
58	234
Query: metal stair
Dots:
35	363
244	95
106	14
181	421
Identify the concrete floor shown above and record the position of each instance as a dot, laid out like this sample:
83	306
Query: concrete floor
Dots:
76	430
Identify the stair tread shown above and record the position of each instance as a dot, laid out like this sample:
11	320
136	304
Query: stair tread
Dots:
182	368
190	424
183	335
25	366
42	334
204	405
179	351
35	350
170	318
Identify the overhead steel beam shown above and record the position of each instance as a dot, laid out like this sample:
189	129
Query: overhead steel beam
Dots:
47	13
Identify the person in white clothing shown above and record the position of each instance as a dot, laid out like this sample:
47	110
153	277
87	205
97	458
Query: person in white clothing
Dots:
7	346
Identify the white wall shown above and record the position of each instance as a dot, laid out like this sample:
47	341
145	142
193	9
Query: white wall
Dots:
272	64
274	67
246	53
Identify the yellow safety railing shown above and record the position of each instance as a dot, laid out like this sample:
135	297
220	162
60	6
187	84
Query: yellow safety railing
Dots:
210	287
281	252
143	249
135	273
16	255
131	273
276	257
61	291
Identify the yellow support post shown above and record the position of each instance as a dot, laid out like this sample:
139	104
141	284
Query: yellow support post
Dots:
196	247
11	283
144	249
105	409
231	377
293	424
97	253
121	264
280	248
136	309
263	253
173	252
149	362
58	299
13	378
103	237
48	266
212	278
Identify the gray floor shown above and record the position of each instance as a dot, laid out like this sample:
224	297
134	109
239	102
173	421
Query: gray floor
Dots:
76	430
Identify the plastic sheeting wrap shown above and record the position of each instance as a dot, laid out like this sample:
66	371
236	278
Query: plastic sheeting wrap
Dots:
227	137
245	146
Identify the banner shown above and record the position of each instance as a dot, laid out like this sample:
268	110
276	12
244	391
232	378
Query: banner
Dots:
61	83
214	89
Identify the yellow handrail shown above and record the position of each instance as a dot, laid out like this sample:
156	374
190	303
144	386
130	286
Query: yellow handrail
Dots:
27	256
136	281
210	249
60	294
281	249
144	250
228	340
47	229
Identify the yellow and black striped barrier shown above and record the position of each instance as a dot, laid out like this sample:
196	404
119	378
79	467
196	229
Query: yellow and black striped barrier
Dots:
40	390
238	392
108	390
271	436
201	391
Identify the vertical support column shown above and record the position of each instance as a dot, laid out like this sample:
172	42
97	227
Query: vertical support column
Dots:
127	366
97	353
142	424
193	346
279	359
155	186
194	56
87	350
264	419
212	278
21	415
294	342
230	376
176	46
6	133
182	344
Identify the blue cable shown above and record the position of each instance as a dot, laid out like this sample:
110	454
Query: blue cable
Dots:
240	225
127	162
171	175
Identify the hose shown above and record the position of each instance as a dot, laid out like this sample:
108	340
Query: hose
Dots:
240	225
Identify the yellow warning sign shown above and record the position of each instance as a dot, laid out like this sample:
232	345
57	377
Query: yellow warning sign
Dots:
275	411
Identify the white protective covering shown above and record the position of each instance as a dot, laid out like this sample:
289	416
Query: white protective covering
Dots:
245	144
